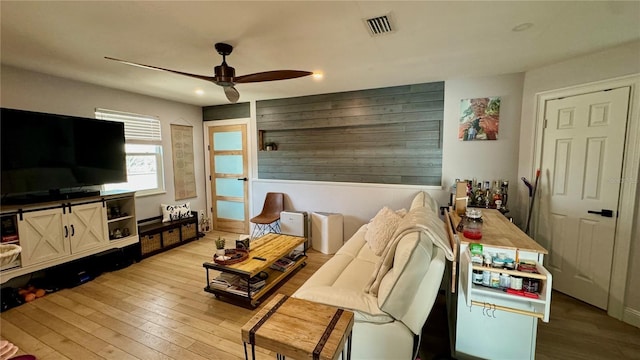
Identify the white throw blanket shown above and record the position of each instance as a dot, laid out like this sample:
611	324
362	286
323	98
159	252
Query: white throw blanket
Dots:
420	219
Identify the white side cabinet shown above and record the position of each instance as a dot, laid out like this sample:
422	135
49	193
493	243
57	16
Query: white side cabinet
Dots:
491	323
57	232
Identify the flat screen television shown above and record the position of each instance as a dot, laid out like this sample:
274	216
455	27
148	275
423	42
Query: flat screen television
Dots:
49	154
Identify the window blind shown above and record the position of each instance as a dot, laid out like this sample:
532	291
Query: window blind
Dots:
137	128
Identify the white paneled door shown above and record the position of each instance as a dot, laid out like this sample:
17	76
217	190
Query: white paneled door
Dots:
582	155
229	174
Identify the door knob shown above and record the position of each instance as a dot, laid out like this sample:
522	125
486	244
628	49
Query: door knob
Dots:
603	212
243	179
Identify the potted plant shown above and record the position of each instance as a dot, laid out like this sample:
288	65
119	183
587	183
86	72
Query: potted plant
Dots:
220	241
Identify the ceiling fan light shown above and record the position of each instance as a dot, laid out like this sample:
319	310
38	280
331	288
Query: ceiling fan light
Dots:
232	94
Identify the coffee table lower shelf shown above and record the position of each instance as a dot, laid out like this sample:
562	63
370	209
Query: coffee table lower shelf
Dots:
275	277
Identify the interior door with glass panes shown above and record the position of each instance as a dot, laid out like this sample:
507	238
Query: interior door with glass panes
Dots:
229	173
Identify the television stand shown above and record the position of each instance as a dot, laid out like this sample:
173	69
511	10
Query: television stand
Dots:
52	195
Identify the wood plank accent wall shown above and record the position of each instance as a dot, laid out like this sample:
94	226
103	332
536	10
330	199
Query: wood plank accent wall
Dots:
223	112
388	135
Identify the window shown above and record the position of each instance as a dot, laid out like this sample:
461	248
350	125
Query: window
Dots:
143	146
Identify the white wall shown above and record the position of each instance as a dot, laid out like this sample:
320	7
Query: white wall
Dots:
608	64
486	160
483	160
28	90
358	203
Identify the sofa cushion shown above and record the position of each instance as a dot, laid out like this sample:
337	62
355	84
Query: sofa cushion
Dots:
418	200
409	244
423	199
419	219
405	294
340	280
172	212
381	228
385	262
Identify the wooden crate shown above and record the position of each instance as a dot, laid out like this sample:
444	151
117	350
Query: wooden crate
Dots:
188	231
150	243
170	237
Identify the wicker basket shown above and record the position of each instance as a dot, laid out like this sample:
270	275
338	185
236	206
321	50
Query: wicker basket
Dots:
150	243
9	253
188	231
170	237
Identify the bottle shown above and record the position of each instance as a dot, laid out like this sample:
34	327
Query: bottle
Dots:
505	281
495	280
478	195
487	194
505	195
469	193
497	194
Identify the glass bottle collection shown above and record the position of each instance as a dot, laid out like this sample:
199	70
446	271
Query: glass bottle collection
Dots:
488	194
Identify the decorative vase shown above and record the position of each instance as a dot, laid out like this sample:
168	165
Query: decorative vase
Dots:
220	252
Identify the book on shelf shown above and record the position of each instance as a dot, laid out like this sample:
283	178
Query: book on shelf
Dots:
242	289
282	264
295	255
8	238
236	284
256	282
225	280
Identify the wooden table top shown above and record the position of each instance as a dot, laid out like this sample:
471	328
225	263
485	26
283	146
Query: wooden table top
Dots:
270	247
298	327
498	231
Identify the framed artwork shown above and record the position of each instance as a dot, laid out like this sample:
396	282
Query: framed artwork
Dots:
184	176
479	119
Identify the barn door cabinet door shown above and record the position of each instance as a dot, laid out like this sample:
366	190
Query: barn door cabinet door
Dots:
55	233
44	236
87	228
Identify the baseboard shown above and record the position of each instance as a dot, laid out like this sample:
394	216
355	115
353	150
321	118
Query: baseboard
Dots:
631	316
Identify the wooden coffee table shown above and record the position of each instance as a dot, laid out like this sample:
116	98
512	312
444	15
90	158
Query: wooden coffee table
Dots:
262	254
300	329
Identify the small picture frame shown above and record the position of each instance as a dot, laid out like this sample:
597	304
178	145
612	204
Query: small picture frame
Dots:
243	244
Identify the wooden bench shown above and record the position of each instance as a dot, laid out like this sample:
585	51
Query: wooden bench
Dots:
157	236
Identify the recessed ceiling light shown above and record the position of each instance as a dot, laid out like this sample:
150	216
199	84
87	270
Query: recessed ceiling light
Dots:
318	75
522	27
199	92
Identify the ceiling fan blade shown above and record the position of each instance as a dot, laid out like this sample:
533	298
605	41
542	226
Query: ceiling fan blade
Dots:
271	76
201	77
232	94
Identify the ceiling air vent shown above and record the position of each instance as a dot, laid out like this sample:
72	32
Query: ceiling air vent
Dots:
379	25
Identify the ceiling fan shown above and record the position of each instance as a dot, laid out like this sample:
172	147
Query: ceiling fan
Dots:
225	75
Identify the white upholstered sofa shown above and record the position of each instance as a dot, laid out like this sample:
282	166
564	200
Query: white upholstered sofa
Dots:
391	294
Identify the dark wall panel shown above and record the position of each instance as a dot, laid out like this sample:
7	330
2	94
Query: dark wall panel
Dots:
389	135
223	112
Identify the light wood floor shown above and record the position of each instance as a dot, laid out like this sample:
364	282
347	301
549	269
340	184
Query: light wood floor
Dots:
154	309
157	309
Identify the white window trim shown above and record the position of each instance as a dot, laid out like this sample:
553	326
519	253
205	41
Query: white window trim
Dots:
143	130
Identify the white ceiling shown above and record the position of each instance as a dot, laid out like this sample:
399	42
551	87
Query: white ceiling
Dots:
434	40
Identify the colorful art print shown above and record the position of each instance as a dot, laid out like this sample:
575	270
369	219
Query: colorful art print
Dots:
479	119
